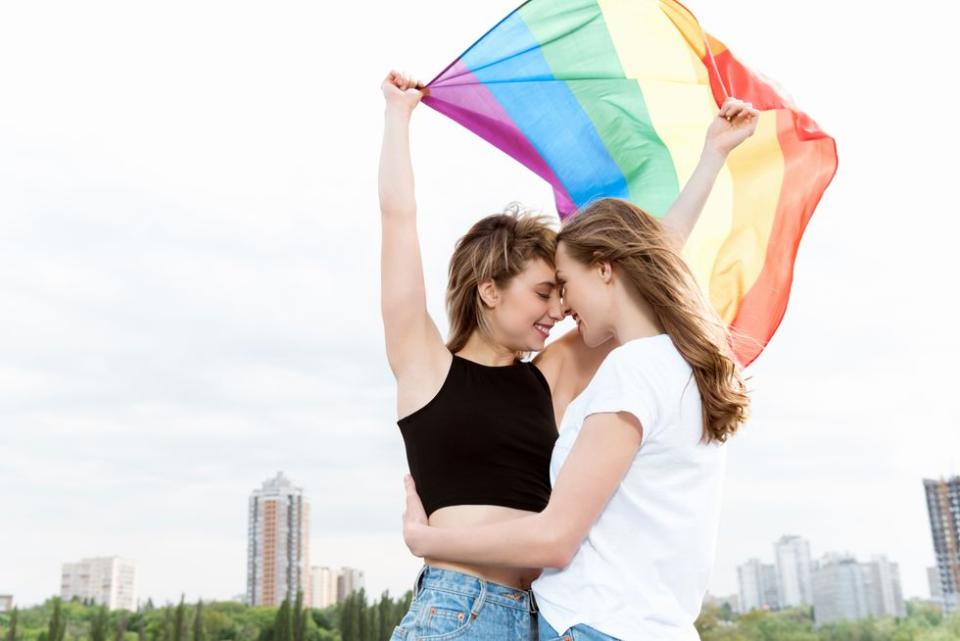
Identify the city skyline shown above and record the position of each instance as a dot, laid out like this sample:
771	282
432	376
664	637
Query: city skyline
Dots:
190	287
837	585
791	581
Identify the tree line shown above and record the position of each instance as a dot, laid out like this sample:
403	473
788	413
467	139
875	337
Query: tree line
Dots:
359	619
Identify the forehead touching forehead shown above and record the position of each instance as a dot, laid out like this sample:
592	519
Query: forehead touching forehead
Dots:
537	271
563	260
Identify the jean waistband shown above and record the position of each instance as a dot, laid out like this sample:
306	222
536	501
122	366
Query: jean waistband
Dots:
470	585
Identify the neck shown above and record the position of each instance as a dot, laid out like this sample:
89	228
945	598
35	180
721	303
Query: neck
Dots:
480	349
634	319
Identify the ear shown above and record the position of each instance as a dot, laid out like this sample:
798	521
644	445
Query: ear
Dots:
489	293
606	271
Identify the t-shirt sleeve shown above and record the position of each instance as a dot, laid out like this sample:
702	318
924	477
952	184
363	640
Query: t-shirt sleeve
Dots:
626	385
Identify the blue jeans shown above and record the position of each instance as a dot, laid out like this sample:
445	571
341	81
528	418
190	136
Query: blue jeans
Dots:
452	605
576	633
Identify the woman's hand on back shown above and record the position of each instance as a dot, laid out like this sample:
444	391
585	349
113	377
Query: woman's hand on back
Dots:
414	517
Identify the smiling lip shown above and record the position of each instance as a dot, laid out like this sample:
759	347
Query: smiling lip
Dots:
577	320
543	329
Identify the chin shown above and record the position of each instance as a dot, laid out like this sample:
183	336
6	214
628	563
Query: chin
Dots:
535	346
592	342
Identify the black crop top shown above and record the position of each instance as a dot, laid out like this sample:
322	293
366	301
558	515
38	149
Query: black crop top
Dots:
484	439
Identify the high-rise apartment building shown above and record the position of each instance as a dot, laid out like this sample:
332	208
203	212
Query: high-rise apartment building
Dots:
278	543
792	556
943	507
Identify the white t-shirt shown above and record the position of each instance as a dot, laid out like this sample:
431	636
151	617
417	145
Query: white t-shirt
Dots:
641	573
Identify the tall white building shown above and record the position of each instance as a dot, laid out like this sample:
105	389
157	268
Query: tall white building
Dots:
349	580
333	585
884	594
792	556
844	589
839	590
758	586
6	602
278	543
109	581
324	586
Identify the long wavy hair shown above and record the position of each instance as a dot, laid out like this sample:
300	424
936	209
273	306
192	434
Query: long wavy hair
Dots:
496	248
639	248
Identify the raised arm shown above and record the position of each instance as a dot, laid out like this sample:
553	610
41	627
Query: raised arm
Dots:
552	537
735	122
415	349
567	364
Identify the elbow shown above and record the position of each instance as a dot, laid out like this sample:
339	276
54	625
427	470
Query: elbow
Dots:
559	548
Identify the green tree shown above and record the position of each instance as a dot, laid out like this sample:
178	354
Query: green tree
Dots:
372	626
385	622
198	634
58	624
12	631
180	621
281	629
98	626
363	629
121	628
321	619
350	619
166	625
299	622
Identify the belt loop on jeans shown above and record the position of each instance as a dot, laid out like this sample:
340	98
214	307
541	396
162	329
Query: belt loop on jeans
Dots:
532	603
419	579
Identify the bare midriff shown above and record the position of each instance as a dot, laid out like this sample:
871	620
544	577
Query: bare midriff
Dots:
465	516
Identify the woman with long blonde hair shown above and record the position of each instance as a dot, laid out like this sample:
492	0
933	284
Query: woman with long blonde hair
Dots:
628	534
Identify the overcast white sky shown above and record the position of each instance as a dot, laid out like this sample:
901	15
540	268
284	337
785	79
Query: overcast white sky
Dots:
189	281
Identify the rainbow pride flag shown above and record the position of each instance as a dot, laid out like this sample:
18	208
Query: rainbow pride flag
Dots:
613	98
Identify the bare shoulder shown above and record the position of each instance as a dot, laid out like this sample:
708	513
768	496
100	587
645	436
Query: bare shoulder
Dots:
569	358
569	365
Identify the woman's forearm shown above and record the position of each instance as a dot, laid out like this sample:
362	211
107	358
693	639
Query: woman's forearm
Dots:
534	541
396	183
683	214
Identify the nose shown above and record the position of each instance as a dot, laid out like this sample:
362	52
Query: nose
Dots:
558	310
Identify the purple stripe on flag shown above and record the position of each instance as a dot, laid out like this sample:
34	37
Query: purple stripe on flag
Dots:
460	96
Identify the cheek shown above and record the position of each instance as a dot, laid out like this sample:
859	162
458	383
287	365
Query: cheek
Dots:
576	298
520	314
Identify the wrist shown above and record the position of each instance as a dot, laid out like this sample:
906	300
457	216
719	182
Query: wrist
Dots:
398	112
712	155
414	536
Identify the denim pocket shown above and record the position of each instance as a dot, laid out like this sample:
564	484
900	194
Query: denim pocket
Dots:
445	615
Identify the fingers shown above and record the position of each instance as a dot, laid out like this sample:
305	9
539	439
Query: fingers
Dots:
403	81
411	489
737	111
